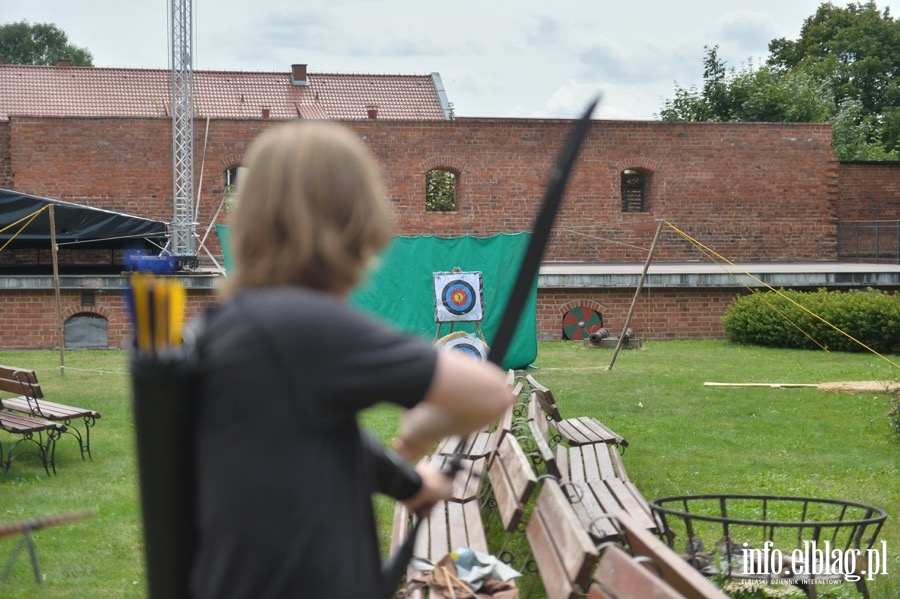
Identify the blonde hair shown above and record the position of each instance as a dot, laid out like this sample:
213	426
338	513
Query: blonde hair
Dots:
310	210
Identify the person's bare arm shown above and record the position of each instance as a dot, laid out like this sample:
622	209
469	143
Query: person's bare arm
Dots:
464	396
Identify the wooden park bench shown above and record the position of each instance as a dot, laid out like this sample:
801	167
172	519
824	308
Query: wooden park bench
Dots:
580	430
621	576
450	524
592	461
562	551
460	521
481	444
594	479
29	399
40	433
670	566
512	482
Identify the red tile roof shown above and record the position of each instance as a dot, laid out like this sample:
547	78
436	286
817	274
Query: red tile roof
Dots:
118	92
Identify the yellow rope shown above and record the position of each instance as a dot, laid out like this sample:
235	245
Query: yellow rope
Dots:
29	218
711	252
712	256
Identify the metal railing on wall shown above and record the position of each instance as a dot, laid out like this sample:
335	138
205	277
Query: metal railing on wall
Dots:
869	241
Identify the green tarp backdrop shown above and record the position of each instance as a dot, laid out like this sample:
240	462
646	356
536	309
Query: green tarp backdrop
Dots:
400	289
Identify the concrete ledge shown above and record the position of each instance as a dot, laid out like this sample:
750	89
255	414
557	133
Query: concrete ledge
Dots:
204	280
557	275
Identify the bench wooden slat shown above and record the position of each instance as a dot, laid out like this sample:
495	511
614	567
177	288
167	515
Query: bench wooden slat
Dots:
21	424
467	482
575	461
601	430
574	434
603	453
592	516
577	551
561	549
540	435
477	540
589	462
422	544
579	430
620	576
545	397
675	570
400	526
475	446
557	584
635	505
29	399
559	466
27	426
582	430
49	409
437	532
618	465
457	534
512	480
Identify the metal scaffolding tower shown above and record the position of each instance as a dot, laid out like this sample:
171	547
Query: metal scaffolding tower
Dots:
183	225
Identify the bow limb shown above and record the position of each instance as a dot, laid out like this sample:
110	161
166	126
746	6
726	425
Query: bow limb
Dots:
543	224
395	566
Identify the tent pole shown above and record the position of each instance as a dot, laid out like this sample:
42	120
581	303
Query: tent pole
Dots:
637	292
59	325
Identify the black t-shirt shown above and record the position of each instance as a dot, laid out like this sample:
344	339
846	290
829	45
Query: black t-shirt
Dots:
284	491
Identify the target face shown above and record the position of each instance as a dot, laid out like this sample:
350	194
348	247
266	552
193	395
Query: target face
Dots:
458	297
469	345
580	322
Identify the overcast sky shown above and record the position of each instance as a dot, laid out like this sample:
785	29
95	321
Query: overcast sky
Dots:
497	58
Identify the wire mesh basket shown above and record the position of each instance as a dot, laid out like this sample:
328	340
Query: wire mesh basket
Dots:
795	540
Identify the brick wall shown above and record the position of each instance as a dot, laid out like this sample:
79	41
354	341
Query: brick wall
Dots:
869	191
5	168
658	314
749	191
30	316
764	192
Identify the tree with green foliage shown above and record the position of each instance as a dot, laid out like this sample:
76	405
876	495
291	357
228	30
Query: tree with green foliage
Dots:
39	44
843	69
440	190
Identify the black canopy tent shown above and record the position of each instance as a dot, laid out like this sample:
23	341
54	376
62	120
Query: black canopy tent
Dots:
30	222
89	228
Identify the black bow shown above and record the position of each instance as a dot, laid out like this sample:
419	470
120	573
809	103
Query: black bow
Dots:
395	566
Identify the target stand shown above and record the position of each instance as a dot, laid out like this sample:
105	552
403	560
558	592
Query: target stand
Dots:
459	297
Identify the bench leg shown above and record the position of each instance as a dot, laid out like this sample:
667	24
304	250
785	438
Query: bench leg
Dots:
4	465
41	453
89	422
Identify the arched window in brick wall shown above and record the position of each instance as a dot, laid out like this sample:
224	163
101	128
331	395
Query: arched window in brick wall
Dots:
635	190
86	329
440	190
230	181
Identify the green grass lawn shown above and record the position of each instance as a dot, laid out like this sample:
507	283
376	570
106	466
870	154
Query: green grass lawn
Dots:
685	438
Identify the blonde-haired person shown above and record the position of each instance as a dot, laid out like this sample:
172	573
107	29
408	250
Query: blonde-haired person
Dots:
285	473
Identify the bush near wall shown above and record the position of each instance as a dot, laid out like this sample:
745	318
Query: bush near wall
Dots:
820	319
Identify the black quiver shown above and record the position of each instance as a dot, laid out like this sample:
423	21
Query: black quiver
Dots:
164	407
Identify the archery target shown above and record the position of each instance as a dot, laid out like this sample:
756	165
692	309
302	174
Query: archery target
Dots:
469	345
458	297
